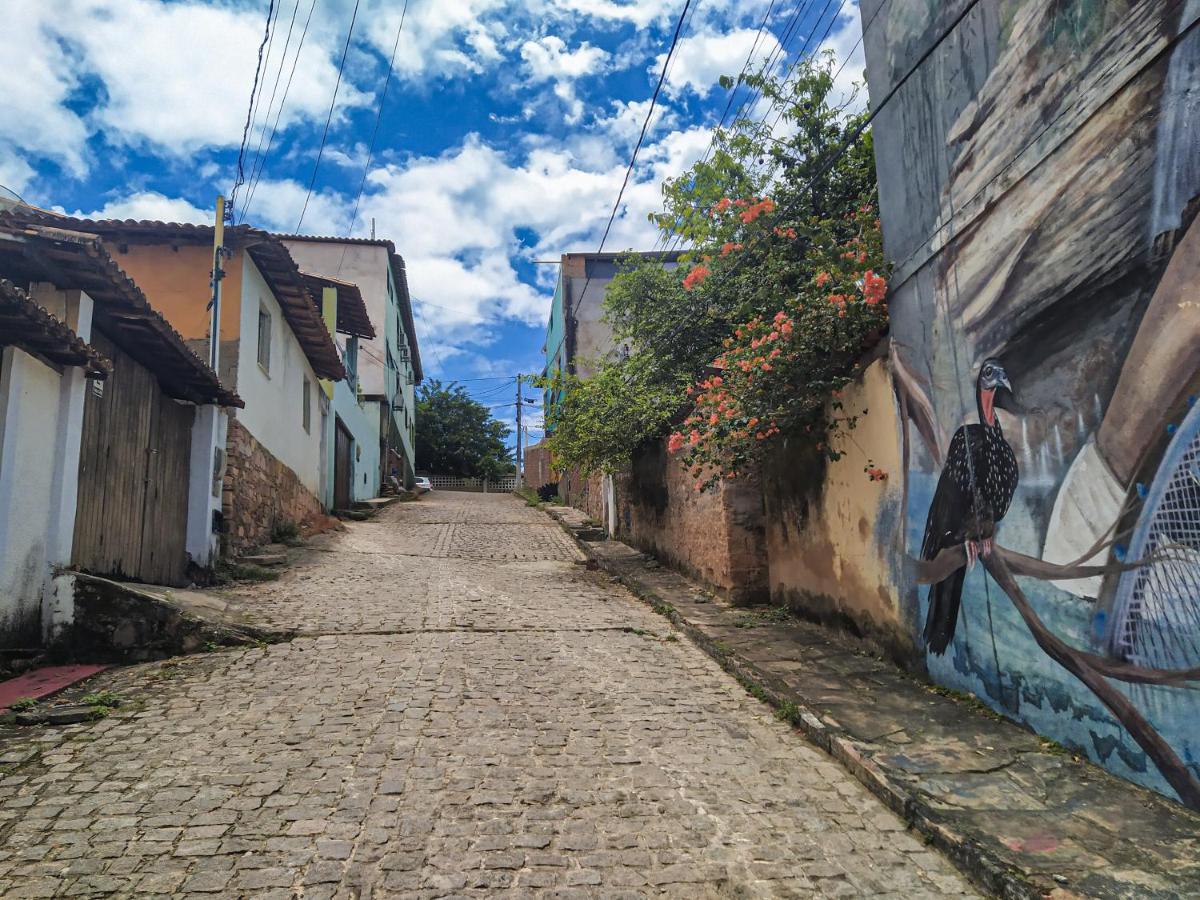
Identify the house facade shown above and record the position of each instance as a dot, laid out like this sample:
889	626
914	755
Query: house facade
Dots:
389	364
351	448
109	426
577	335
274	348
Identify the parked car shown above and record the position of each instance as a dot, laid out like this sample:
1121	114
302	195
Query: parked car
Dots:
422	484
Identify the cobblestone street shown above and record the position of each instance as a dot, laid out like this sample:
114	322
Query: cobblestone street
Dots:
467	711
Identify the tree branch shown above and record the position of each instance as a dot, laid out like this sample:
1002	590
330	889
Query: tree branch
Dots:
1078	664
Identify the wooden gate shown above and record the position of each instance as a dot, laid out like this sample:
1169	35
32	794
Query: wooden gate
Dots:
343	467
131	520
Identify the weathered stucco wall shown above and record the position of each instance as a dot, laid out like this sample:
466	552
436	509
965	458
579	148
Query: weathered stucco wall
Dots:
275	396
29	423
260	493
833	533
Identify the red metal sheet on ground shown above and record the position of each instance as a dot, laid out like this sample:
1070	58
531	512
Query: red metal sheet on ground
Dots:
41	682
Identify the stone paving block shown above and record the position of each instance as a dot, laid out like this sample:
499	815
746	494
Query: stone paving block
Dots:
448	724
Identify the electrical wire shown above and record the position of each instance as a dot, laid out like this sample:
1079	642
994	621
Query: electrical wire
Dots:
374	132
256	178
855	136
262	133
332	103
638	146
241	172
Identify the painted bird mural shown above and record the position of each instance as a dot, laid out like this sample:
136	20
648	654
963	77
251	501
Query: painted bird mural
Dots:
973	492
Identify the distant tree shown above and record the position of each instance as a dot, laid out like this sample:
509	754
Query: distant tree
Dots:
457	435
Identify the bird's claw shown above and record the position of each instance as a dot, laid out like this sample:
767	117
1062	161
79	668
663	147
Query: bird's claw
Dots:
972	554
986	549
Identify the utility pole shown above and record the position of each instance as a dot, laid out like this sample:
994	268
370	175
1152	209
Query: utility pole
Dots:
520	403
214	304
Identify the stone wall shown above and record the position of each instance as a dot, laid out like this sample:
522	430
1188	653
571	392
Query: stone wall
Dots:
260	493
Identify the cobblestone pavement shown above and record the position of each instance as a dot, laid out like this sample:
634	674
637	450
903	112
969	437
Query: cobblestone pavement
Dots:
470	712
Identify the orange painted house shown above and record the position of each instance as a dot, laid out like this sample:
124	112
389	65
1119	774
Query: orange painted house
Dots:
275	348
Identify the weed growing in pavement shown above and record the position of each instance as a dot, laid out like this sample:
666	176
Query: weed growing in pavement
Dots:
21	704
758	618
967	699
663	609
106	699
754	689
671	638
788	712
230	572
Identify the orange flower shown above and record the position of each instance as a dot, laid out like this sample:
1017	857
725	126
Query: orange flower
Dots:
696	277
874	288
823	279
675	444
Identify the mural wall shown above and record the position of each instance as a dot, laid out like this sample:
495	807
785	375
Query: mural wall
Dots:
1039	178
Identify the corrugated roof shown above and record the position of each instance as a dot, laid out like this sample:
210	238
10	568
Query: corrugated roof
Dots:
31	250
352	317
268	252
399	275
25	324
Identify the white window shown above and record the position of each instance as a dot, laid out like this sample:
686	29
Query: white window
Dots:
264	339
307	407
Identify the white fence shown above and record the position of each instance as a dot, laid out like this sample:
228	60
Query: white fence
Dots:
505	485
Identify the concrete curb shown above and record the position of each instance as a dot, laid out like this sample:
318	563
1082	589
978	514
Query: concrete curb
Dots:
983	868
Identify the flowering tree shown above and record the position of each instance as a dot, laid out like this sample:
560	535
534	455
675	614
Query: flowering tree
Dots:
782	373
769	310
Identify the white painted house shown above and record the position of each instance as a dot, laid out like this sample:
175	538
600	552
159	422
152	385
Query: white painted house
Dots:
95	475
274	349
389	364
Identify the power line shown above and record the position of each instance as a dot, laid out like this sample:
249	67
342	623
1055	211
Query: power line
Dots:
375	131
262	133
783	41
256	177
332	103
241	172
638	146
860	129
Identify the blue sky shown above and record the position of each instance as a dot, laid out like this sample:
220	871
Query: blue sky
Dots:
504	136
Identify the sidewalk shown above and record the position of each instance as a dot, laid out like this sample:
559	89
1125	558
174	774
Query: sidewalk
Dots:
1016	813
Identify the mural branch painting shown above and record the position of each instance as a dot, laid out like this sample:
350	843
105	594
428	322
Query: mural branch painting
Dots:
1074	129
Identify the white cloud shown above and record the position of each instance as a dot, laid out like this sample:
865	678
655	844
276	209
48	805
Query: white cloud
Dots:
151	205
548	59
278	205
702	59
186	83
35	84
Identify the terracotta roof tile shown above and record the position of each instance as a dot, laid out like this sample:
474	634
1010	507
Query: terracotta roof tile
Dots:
25	324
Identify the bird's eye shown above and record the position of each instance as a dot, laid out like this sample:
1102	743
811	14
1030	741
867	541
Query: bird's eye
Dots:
987	370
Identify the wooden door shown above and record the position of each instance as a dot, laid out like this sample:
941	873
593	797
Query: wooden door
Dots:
343	466
131	520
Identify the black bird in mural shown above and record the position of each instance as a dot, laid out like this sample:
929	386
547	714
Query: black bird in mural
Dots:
976	486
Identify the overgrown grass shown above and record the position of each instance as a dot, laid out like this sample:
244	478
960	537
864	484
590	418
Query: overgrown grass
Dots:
21	704
227	572
286	532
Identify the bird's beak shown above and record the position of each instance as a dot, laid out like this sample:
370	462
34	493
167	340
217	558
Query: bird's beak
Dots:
1005	399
